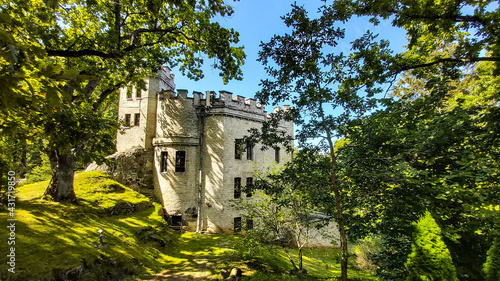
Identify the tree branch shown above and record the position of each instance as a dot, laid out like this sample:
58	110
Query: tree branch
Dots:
455	18
443	60
117	12
82	53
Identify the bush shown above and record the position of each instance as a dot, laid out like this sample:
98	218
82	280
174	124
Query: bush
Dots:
40	172
492	265
363	251
430	258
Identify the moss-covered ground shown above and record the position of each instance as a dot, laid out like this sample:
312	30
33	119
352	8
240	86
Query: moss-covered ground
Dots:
52	238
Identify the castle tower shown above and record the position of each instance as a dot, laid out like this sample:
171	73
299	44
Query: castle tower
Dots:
137	108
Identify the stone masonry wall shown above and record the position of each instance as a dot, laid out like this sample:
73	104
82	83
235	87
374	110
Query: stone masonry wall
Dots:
133	168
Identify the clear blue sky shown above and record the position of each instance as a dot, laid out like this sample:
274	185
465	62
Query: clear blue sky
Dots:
257	21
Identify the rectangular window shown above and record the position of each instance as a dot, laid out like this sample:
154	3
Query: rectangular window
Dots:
249	224
249	187
249	151
138	93
129	93
237	188
180	161
237	148
277	155
176	221
237	224
127	120
137	119
164	162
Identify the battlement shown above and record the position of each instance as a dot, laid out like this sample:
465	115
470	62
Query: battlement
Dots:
223	99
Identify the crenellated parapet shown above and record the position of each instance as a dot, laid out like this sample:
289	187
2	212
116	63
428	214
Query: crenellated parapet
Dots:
221	100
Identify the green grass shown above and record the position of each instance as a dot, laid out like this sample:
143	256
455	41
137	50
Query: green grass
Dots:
52	238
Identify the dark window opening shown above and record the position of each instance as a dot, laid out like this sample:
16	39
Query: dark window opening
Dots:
137	119
127	120
277	155
164	161
176	221
180	161
249	151
237	188
138	93
249	224
249	187
129	93
237	148
237	224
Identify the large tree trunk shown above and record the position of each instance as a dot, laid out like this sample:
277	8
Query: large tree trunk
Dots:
61	185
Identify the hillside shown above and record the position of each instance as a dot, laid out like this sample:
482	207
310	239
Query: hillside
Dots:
57	241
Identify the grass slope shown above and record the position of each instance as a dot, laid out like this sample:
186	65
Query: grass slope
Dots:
52	238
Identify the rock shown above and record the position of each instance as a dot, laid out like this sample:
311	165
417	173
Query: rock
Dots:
235	272
224	273
74	274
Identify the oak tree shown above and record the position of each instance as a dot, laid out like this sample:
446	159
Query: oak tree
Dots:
63	61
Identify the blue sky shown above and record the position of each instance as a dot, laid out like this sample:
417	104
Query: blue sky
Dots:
257	21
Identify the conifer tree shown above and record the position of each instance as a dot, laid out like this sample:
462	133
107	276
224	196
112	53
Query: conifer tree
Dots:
492	265
430	258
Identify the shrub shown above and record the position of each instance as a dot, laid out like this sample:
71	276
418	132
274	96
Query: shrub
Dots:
430	258
363	251
492	265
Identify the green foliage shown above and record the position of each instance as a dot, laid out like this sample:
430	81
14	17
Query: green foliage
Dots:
63	62
429	259
288	202
492	264
323	87
469	26
363	251
435	151
41	172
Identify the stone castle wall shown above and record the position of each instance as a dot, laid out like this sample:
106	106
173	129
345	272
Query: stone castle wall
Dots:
133	167
178	129
170	123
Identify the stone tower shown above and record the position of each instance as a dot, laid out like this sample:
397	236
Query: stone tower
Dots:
198	172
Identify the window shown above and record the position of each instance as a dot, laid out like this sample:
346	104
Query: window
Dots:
249	224
249	151
237	224
164	162
129	93
176	221
137	119
237	188
138	93
127	120
180	161
249	187
277	155
237	148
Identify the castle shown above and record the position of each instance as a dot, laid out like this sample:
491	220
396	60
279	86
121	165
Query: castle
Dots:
193	144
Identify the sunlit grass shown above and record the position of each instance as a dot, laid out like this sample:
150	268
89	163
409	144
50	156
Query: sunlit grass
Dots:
54	237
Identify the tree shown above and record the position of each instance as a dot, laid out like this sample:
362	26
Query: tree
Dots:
291	202
304	70
492	264
433	151
429	259
63	61
468	25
